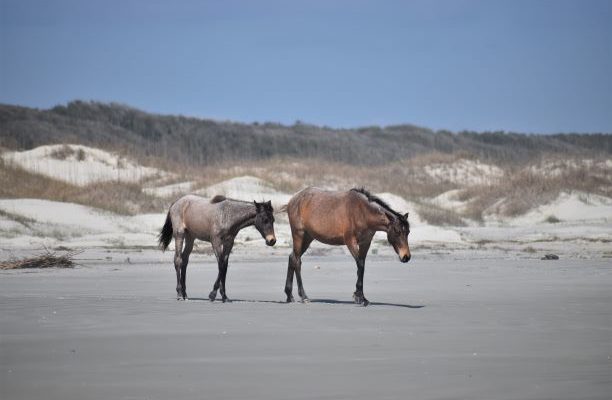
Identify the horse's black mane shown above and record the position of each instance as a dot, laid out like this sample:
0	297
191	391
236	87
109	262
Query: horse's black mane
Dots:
375	199
219	198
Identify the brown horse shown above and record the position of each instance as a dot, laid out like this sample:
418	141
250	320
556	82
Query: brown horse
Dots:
342	218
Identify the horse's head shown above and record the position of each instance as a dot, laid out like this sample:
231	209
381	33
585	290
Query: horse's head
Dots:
397	235
264	221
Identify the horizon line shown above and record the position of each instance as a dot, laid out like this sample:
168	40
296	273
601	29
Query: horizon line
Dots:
299	121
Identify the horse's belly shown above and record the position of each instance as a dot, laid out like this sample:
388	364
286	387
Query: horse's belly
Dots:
326	234
199	231
204	237
331	240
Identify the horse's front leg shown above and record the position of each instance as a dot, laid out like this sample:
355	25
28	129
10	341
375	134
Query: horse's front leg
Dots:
360	252
218	250
358	296
227	249
289	281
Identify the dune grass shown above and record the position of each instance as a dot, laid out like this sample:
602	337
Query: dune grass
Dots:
520	188
117	197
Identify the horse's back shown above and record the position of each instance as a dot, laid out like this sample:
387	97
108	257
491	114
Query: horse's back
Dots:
313	199
196	215
321	213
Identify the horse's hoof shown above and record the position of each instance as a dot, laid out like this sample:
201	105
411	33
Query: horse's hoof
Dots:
212	296
226	300
360	299
305	300
290	299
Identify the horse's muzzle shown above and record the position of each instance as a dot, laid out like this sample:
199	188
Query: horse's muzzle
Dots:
405	259
271	241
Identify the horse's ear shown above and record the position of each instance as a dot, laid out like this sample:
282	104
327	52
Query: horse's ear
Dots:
257	205
269	204
406	216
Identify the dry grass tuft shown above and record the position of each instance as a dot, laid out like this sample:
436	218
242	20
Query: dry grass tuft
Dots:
25	221
551	219
48	259
62	153
404	178
435	215
118	197
520	191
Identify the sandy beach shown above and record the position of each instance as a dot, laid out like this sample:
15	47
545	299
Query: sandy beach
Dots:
479	327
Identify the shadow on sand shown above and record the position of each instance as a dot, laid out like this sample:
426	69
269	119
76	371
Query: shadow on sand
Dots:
372	303
320	301
235	300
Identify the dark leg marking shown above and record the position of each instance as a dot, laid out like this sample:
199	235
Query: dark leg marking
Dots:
178	261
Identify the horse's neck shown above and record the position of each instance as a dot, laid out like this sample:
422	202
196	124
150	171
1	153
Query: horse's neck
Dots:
378	218
241	215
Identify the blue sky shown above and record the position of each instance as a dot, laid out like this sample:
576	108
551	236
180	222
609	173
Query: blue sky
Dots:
529	66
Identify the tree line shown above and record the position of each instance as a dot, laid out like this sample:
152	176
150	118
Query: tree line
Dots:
205	142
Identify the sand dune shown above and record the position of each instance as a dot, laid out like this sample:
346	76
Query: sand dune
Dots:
583	221
247	188
79	165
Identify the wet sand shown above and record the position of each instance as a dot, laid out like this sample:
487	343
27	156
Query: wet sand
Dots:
436	329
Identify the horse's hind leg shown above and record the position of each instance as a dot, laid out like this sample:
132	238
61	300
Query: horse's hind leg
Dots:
178	261
297	266
300	245
184	260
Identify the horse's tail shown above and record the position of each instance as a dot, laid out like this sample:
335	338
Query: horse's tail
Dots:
165	235
283	208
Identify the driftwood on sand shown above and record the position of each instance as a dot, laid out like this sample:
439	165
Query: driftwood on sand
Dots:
48	259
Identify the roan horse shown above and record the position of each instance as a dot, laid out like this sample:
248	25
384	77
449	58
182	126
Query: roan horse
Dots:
218	222
342	218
